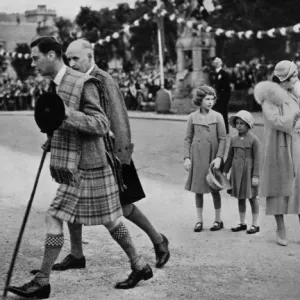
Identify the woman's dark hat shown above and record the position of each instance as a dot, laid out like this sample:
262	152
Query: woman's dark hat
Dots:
49	112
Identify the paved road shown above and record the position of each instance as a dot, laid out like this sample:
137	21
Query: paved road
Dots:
206	266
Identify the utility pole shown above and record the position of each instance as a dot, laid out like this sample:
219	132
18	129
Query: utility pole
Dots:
161	44
163	101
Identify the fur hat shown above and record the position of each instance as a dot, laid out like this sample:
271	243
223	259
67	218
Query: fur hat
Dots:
269	91
244	115
49	112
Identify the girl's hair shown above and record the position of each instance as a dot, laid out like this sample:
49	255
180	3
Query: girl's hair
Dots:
201	92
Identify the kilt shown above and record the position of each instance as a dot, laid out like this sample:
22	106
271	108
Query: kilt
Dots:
95	202
134	191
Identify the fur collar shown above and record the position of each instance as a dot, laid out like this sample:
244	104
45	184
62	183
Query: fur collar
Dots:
270	91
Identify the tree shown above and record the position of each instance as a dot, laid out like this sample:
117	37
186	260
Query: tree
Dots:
21	65
65	31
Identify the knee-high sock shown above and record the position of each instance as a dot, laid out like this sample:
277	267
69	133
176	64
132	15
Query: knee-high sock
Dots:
76	239
121	235
53	245
140	220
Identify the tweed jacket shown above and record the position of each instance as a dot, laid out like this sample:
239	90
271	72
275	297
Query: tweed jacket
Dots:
119	121
89	121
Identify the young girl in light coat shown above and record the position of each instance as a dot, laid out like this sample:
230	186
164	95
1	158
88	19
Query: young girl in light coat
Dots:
243	159
204	147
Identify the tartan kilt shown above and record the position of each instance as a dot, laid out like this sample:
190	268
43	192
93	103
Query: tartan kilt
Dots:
95	202
134	191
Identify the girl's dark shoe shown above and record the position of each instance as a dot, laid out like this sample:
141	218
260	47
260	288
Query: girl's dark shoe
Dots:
240	227
134	278
253	229
198	227
162	252
217	226
32	290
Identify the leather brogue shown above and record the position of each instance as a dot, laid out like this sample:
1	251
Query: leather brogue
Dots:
135	277
70	262
32	290
162	252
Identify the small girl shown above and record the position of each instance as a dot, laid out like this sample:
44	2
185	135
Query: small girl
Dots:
204	147
243	160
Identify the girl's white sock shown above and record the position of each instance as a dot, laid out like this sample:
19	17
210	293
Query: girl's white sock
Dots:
218	215
242	217
199	214
254	219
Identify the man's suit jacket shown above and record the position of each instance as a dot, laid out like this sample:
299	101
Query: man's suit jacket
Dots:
221	82
119	121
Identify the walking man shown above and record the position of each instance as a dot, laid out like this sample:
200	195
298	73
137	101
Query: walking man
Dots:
88	193
80	56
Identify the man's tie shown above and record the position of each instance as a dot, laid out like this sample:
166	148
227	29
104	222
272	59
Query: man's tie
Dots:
52	87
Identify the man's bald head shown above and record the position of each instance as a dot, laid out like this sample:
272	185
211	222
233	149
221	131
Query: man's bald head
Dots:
80	55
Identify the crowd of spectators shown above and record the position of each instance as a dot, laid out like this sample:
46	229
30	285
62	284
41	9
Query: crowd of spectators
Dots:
21	95
139	87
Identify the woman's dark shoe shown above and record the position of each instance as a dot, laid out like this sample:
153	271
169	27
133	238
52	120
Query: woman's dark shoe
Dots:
217	226
135	277
240	227
162	252
253	229
198	227
32	289
70	262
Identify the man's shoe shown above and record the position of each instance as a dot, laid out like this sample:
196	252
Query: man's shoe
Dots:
162	252
240	227
134	278
70	262
32	289
217	226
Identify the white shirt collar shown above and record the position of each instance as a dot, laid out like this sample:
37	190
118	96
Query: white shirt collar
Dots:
59	76
90	70
218	69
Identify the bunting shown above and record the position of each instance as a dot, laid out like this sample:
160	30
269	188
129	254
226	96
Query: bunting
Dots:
196	26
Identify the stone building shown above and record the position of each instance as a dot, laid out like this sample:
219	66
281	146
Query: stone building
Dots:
193	53
38	22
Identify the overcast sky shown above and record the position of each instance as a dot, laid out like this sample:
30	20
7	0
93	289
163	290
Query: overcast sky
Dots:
66	8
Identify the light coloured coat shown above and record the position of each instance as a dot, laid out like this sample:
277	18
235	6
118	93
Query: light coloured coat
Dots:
243	159
205	140
279	109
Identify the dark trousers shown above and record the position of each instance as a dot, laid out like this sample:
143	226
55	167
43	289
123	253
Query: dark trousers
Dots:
222	108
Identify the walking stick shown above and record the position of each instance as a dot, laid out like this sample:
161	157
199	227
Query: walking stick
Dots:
16	250
49	115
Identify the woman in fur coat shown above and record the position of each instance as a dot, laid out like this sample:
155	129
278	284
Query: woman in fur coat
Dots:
280	109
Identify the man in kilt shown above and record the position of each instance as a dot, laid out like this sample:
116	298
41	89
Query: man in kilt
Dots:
80	56
88	193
